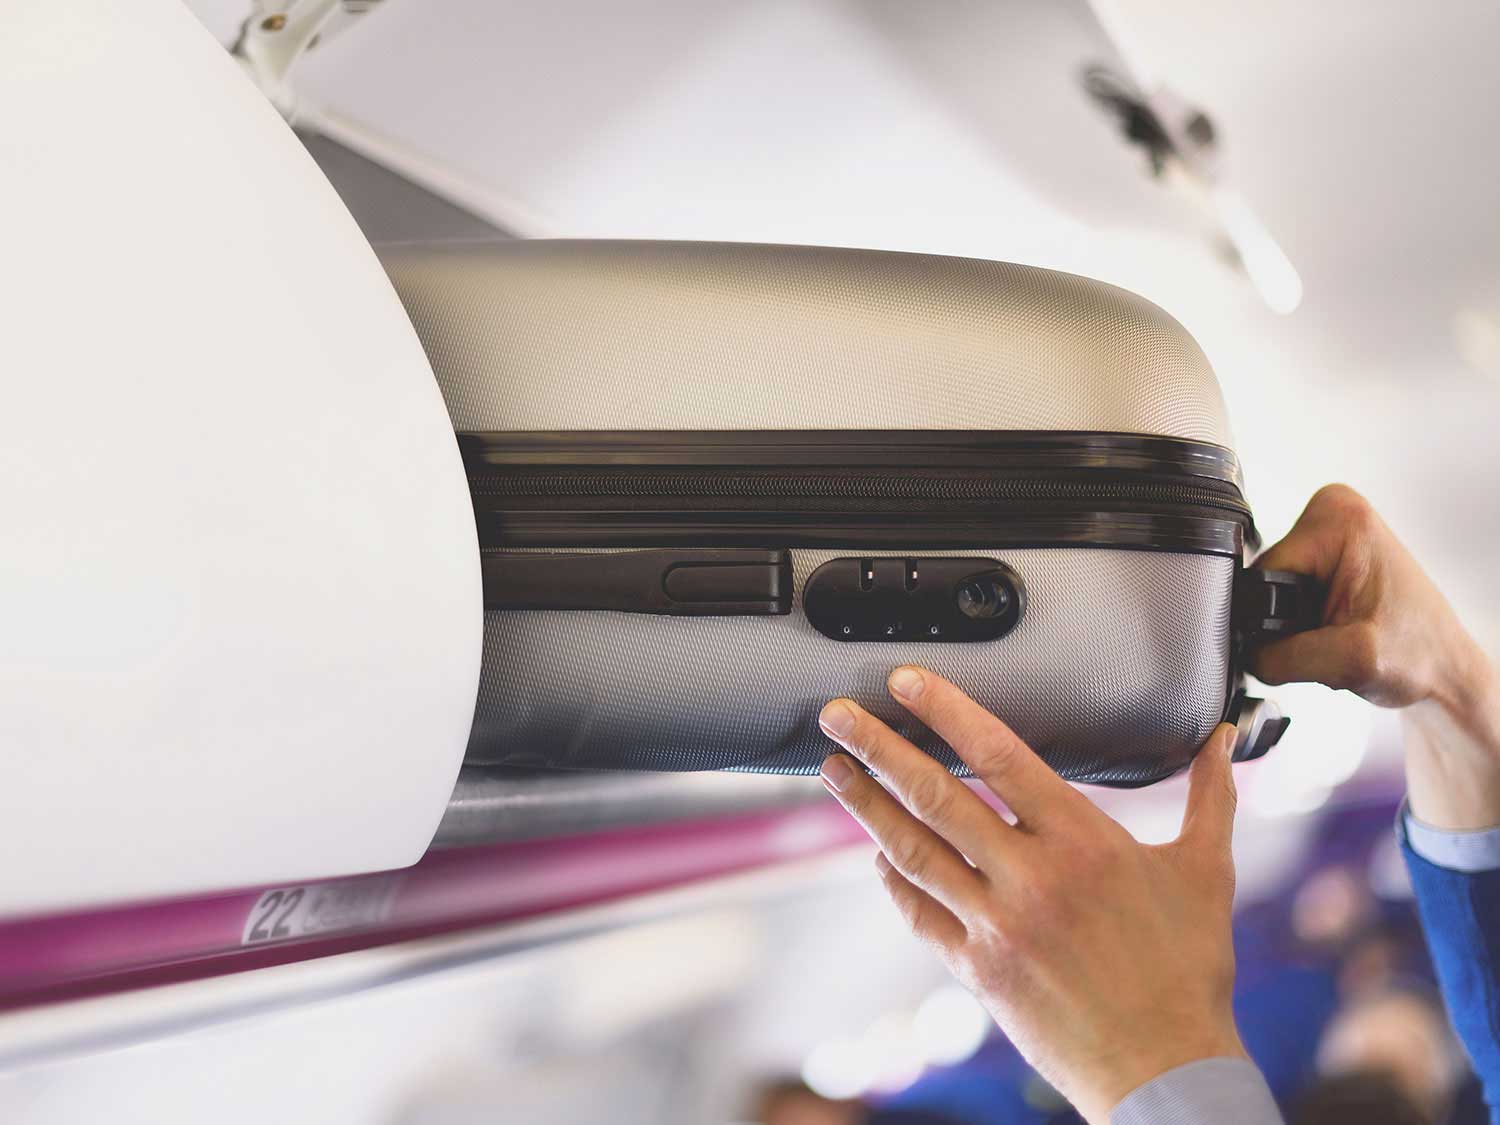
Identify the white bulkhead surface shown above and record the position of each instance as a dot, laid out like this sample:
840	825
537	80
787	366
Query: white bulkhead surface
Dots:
240	601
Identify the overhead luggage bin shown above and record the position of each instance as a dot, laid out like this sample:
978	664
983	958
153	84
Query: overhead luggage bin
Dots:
240	602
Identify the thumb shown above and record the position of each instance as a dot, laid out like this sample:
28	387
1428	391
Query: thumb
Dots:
1340	656
1301	552
1208	823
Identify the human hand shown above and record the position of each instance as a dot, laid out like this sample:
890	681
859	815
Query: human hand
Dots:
1106	962
1389	635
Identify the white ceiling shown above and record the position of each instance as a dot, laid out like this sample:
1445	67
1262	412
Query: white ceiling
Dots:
1367	135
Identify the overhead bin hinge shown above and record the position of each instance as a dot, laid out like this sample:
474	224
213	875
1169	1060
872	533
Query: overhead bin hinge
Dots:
726	582
278	33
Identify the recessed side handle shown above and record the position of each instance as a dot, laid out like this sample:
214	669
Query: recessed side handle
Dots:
727	582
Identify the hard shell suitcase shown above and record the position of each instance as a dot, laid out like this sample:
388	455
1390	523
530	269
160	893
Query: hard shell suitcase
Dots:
717	485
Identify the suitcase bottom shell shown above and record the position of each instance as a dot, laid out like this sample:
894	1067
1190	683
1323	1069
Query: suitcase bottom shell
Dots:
1116	673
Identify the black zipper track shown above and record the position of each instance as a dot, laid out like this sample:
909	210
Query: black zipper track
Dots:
844	486
800	489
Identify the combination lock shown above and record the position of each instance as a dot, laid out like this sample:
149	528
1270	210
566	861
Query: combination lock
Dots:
931	600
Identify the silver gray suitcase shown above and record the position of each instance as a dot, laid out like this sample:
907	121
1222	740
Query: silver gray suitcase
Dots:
717	485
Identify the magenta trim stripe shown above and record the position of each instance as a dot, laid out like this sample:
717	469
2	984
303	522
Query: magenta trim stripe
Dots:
57	957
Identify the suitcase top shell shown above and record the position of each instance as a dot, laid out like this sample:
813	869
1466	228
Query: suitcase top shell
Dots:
588	335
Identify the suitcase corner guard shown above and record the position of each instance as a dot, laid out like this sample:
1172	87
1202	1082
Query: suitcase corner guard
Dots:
1267	605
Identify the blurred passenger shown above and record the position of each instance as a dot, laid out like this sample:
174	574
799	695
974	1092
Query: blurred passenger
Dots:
793	1103
1109	963
789	1102
1371	965
1331	907
1402	1037
1356	1099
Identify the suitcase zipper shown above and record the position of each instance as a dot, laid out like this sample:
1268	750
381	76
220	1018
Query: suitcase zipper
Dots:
850	487
905	490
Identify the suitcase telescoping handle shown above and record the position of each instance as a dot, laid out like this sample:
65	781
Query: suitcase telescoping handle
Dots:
721	582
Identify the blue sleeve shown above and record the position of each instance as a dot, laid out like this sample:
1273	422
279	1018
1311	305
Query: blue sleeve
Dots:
1460	912
1471	850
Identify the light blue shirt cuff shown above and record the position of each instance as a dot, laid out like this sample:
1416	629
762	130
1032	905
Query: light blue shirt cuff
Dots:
1206	1092
1469	851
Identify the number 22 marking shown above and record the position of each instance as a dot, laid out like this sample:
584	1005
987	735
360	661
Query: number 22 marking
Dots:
286	902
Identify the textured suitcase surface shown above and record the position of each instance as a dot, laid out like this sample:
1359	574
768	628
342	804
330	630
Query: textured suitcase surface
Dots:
615	396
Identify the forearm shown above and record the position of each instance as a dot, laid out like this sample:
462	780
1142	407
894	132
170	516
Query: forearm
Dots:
1453	745
1452	838
1460	911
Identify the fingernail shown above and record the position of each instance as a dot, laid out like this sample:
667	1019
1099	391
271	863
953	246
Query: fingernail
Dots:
882	864
837	719
836	772
906	682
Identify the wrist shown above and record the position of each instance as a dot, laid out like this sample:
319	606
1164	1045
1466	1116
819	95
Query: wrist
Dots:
1453	745
1217	1089
1128	1072
1465	689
